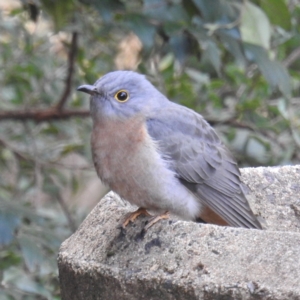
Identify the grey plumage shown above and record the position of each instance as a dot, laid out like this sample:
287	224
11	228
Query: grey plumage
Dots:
202	162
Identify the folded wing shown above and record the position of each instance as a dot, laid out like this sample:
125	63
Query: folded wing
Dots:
202	163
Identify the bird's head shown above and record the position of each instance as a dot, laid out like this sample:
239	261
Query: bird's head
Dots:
122	95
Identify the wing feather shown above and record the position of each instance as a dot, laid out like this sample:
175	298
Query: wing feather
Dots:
201	161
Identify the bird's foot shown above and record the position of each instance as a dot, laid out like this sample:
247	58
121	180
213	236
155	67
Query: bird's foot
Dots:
132	216
154	220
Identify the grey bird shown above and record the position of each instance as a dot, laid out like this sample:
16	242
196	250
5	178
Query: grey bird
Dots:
161	156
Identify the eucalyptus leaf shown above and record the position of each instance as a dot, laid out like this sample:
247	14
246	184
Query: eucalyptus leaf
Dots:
220	11
107	8
213	55
275	73
60	11
166	61
165	11
32	253
277	12
183	46
234	46
9	222
257	149
9	258
255	26
21	281
142	28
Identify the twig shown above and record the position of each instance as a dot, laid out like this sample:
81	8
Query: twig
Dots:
56	112
42	115
214	27
16	152
233	123
265	133
292	57
37	167
68	81
21	155
63	205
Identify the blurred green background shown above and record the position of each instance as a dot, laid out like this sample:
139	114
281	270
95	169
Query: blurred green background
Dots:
234	61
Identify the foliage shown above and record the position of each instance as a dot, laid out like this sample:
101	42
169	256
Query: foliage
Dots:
235	61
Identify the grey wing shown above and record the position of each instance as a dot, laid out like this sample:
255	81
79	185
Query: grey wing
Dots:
202	163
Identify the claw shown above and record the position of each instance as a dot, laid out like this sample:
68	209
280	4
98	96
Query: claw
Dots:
132	216
154	220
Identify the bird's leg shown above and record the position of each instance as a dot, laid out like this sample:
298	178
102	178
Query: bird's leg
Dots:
155	219
132	216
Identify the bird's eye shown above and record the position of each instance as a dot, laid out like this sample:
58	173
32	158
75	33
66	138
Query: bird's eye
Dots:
122	96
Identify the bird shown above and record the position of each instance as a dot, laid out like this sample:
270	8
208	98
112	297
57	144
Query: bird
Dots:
161	156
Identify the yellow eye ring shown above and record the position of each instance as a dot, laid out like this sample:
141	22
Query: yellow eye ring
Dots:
122	96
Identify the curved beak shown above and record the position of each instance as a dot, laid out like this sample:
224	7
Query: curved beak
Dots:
89	89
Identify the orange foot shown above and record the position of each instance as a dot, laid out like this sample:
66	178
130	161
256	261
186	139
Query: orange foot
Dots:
154	220
132	216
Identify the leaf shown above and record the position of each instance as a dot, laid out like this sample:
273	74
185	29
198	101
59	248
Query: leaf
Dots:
31	252
257	148
233	45
106	8
275	73
165	11
8	224
212	54
255	26
249	104
278	12
183	46
75	184
8	259
199	77
71	148
296	135
219	11
190	7
282	107
251	145
14	208
142	28
18	279
60	11
166	62
155	8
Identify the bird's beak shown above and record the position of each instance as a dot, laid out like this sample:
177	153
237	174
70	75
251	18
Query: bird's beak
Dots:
89	89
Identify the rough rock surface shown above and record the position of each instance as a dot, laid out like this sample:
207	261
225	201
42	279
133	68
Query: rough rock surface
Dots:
186	260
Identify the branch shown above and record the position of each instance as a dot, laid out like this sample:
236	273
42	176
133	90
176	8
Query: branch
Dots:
68	81
42	115
57	112
265	133
292	57
68	214
232	123
21	155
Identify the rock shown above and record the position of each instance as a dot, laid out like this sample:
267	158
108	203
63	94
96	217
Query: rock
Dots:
187	260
